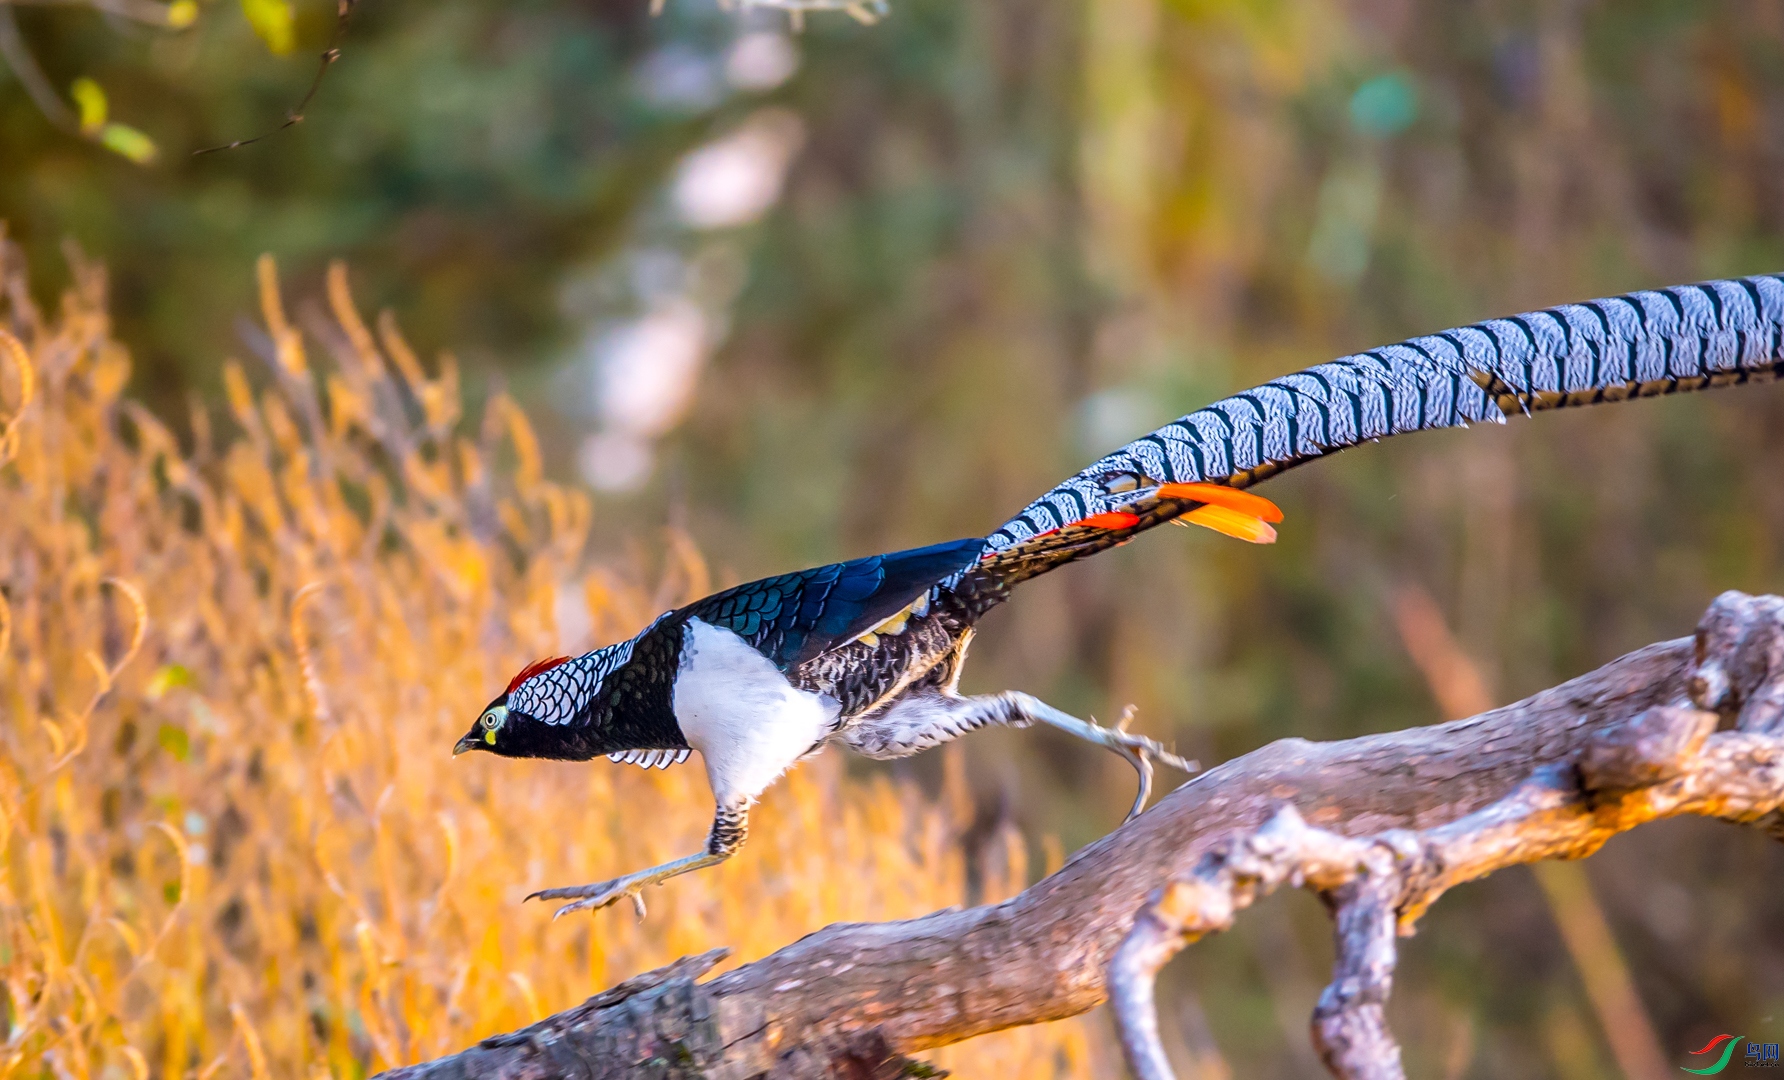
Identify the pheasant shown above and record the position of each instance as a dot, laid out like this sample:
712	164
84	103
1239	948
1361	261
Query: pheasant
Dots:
868	653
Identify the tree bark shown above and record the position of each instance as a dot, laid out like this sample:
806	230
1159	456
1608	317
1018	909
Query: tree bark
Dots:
1602	751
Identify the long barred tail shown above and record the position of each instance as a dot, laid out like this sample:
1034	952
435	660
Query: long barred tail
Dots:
1718	333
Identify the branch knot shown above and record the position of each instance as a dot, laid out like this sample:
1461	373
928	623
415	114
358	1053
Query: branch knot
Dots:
1739	668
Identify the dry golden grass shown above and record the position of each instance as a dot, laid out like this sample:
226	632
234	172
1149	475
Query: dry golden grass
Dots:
235	841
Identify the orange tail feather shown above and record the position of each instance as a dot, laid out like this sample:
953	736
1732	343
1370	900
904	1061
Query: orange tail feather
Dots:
1244	502
1233	523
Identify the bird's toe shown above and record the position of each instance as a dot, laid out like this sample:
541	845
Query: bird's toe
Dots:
574	892
603	899
1141	745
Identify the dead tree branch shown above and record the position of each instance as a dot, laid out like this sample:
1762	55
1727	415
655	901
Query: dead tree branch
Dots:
1381	826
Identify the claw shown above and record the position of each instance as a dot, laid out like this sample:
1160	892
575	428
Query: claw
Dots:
573	891
1143	765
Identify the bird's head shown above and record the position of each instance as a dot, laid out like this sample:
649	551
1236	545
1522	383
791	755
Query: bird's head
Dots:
533	715
487	732
552	708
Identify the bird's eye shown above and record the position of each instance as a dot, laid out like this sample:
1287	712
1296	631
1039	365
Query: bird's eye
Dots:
492	721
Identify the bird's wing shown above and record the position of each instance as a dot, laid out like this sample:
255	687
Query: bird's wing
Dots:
1690	337
794	617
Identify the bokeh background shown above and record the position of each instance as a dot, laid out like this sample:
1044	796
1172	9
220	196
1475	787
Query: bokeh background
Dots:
801	294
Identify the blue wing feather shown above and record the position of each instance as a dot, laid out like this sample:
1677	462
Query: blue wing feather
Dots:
793	617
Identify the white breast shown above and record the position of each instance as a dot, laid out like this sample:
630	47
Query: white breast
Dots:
741	713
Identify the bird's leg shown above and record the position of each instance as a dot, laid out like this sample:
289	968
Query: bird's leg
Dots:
919	721
730	827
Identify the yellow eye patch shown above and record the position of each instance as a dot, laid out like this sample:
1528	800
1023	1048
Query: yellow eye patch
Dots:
490	736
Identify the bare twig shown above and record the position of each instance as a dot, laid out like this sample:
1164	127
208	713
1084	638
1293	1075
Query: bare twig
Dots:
1382	826
143	11
343	11
866	12
24	67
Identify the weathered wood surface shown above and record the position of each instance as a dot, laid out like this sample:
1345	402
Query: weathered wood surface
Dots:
850	999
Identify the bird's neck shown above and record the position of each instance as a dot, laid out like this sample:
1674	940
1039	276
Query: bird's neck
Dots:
634	709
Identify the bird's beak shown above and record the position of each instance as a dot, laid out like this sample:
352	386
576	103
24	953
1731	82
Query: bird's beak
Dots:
469	742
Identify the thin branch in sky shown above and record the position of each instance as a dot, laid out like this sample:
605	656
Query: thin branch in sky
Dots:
343	9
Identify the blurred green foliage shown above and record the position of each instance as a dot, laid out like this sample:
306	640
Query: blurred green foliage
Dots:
1017	235
462	155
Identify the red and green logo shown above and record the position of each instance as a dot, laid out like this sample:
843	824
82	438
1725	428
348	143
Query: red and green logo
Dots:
1727	1043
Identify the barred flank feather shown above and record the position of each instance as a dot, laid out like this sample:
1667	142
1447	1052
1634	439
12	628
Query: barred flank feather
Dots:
650	759
1719	333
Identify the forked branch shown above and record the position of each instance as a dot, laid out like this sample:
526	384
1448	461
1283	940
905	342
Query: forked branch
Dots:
1381	826
1665	761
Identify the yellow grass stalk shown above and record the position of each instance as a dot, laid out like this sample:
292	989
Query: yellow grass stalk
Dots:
233	661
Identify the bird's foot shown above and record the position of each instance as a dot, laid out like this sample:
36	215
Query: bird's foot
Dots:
602	893
1139	751
599	895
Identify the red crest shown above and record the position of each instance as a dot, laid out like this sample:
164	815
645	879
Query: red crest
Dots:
537	667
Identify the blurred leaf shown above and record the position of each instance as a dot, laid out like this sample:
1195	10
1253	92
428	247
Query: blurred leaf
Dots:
175	741
121	139
274	21
131	143
90	100
182	13
167	678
